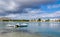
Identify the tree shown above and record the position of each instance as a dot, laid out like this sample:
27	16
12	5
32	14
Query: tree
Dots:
39	19
47	20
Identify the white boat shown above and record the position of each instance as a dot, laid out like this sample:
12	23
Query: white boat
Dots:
9	25
17	25
23	24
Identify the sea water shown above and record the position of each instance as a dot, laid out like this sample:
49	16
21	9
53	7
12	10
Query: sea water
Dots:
34	29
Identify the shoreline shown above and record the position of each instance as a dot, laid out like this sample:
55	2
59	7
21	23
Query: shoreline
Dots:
29	21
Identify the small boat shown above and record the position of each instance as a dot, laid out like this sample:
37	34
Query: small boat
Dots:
8	25
17	25
23	25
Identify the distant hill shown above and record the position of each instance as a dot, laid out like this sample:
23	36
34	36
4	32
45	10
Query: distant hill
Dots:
5	18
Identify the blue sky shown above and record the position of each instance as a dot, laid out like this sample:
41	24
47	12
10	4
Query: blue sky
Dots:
30	9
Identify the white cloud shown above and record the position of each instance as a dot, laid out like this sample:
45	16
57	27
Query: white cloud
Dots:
8	5
33	16
53	6
11	15
33	11
54	14
17	16
13	5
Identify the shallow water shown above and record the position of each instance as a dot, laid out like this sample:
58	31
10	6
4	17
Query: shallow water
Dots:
34	29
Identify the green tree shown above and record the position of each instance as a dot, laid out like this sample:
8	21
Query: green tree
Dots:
39	19
47	20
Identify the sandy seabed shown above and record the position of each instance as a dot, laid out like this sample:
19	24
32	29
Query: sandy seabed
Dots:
19	34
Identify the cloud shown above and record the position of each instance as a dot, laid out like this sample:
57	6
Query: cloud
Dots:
18	16
33	11
54	14
53	6
7	6
13	5
23	8
34	15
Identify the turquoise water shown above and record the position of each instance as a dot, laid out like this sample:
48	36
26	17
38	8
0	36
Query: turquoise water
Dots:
34	29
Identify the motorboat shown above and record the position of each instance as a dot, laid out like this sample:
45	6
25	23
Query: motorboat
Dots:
24	25
17	25
21	25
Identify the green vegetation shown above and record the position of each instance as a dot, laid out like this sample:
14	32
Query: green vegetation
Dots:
34	20
47	20
39	19
15	20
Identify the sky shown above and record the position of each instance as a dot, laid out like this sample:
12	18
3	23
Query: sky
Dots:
30	9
